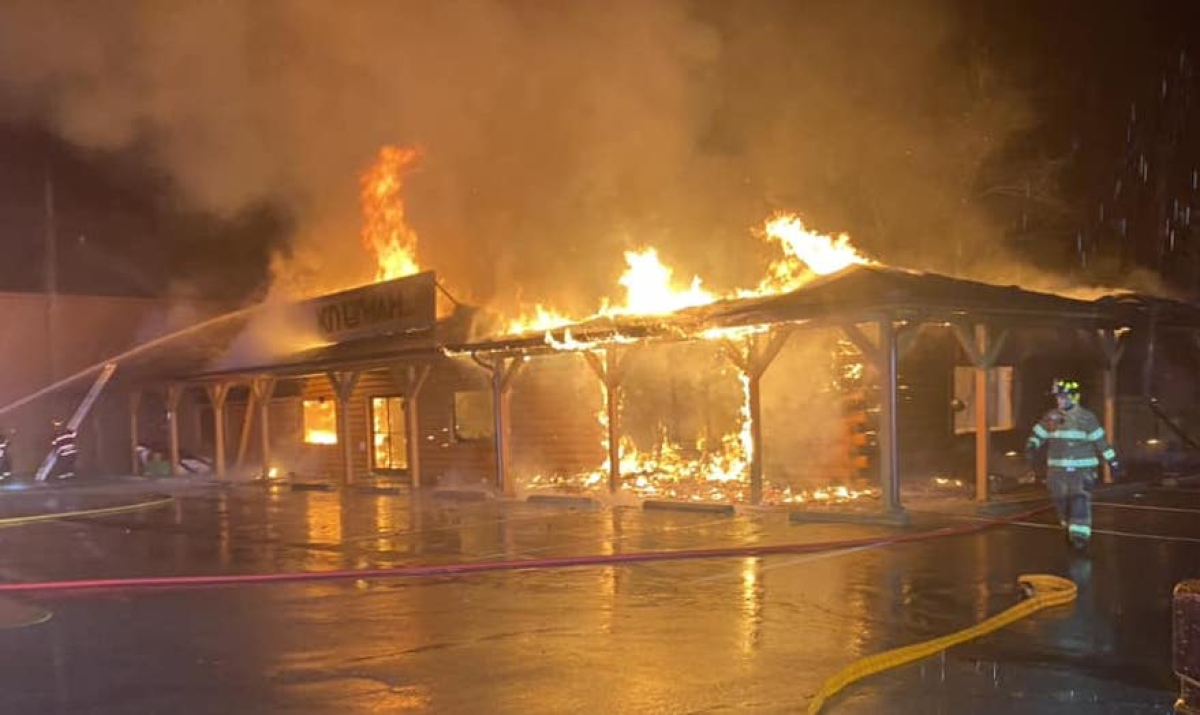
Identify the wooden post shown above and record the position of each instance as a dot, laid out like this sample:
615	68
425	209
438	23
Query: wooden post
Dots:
262	388
174	392
412	416
135	403
247	426
217	393
752	358
410	380
983	430
611	371
1112	358
983	352
503	370
883	358
343	383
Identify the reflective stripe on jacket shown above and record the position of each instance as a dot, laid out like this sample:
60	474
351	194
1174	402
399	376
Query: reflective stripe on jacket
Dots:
1074	439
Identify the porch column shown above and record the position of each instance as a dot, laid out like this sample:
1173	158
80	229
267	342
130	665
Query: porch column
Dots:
217	393
752	357
174	392
611	371
343	383
409	379
416	380
503	370
982	351
1112	358
883	357
135	403
262	389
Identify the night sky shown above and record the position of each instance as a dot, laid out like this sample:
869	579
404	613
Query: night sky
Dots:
962	136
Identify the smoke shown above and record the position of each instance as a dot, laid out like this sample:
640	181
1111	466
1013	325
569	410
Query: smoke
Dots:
554	135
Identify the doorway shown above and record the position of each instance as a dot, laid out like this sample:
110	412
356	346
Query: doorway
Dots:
389	437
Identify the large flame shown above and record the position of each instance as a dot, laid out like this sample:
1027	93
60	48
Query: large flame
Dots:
806	254
320	436
385	230
650	289
718	472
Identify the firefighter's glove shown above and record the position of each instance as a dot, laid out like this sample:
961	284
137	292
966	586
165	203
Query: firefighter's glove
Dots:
1115	468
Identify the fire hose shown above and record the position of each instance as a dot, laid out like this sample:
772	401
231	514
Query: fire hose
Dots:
463	568
103	511
1043	591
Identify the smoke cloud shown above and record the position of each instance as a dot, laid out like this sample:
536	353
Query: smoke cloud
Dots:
555	135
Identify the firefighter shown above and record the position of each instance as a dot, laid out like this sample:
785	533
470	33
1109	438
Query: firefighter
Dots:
5	457
1075	445
65	450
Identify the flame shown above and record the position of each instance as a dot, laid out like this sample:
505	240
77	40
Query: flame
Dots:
806	254
385	230
717	472
649	289
540	320
320	436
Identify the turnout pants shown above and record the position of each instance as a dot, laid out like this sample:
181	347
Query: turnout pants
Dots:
64	466
1071	492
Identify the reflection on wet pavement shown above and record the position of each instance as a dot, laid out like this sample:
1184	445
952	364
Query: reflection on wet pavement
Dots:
739	634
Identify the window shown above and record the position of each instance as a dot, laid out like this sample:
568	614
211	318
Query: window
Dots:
389	442
473	415
320	421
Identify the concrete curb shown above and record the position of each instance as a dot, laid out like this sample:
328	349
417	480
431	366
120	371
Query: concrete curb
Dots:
313	487
563	500
386	491
703	507
882	518
463	494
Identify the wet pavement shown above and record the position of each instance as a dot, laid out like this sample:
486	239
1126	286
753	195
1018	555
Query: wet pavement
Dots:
718	635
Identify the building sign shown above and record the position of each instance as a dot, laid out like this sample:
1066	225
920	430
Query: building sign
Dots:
397	306
999	397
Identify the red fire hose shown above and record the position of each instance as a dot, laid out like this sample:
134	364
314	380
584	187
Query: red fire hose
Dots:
456	569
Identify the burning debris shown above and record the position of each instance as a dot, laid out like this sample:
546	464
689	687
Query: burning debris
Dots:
710	467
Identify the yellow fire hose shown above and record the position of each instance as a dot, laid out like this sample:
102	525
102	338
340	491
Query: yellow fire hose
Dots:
104	511
1043	590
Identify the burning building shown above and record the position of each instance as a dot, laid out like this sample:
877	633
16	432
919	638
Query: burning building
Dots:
827	392
825	382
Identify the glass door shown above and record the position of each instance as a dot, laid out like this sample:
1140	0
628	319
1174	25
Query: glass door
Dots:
389	439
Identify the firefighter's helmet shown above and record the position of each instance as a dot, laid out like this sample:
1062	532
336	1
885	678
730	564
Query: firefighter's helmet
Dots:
1063	386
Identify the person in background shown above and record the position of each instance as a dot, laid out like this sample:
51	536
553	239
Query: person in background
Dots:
65	449
5	455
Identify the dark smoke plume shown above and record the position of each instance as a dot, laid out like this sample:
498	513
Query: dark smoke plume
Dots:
554	134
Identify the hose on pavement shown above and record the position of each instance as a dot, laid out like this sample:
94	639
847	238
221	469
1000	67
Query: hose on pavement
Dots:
1043	591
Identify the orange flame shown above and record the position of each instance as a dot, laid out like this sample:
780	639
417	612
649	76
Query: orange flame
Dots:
649	290
718	472
320	436
385	231
806	254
